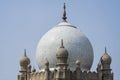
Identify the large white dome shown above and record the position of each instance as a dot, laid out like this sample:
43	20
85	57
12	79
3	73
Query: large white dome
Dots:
75	42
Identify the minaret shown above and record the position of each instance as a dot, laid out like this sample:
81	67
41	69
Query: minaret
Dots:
77	72
25	67
106	70
61	72
62	56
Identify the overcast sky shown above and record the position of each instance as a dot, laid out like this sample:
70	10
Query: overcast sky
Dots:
24	22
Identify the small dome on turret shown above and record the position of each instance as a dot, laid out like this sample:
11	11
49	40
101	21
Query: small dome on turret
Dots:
24	61
105	59
62	52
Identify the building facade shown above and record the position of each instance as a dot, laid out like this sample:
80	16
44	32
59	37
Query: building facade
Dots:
61	68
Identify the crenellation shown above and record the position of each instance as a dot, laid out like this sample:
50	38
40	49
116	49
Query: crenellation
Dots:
62	72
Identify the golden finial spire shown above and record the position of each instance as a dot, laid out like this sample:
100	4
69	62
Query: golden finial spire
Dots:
64	14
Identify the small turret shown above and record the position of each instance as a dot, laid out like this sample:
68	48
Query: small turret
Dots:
46	64
106	60
62	56
106	70
25	67
24	61
78	64
77	72
47	72
62	73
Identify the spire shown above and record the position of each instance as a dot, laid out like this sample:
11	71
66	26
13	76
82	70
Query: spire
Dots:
62	43
105	50
64	13
46	62
24	52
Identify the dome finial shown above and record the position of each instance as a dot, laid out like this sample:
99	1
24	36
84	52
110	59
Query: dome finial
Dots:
46	62
62	43
64	14
24	52
105	50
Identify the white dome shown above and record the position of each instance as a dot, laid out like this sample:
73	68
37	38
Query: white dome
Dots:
77	44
